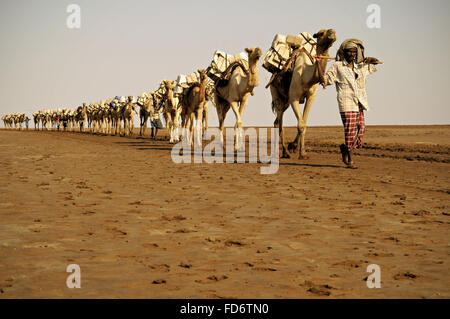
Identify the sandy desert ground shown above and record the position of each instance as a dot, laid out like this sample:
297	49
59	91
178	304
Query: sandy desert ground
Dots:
140	226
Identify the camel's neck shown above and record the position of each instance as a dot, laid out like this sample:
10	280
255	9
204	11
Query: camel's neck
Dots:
323	50
170	97
253	80
203	90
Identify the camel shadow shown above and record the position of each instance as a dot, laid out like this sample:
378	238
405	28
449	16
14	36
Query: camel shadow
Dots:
132	143
154	148
146	145
311	165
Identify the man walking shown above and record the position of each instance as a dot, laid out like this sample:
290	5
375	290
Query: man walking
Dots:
349	73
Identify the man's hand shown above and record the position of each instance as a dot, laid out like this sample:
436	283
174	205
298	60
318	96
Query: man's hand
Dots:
322	80
372	60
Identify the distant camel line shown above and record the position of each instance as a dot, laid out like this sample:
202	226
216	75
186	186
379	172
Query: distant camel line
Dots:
296	64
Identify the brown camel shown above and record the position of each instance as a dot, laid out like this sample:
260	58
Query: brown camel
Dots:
303	86
81	116
193	103
236	91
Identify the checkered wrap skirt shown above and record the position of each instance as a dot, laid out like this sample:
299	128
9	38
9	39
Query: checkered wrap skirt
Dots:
354	128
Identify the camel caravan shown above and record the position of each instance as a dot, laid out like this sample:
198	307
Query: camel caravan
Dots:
14	121
296	64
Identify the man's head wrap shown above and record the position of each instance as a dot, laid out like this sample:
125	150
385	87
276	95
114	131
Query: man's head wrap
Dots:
349	44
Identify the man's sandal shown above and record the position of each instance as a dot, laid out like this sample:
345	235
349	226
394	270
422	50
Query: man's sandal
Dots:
351	165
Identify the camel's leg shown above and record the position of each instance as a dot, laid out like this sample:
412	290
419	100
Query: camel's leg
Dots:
191	127
221	119
279	122
301	125
183	118
238	126
309	102
169	126
205	118
145	123
243	104
199	125
176	125
129	127
131	119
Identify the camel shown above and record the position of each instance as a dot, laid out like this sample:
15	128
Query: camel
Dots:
210	97
81	116
193	103
104	117
21	120
147	108
303	86
36	119
107	111
236	91
158	107
171	111
115	111
45	118
7	120
127	116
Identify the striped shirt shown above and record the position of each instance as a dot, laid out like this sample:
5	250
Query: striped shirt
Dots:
350	91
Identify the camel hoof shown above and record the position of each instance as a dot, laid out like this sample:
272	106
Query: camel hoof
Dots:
303	157
292	147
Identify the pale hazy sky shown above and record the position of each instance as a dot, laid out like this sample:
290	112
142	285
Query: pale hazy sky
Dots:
127	47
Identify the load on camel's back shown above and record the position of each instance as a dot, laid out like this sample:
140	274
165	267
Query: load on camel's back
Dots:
282	48
223	64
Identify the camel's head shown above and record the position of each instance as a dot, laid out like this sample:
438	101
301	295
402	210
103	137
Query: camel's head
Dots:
325	38
254	53
203	75
130	98
169	84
